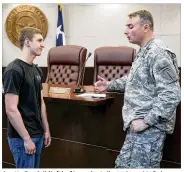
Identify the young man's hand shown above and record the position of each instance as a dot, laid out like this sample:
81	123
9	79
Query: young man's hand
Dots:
47	139
29	146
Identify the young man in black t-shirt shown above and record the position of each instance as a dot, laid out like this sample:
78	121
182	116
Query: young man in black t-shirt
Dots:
28	127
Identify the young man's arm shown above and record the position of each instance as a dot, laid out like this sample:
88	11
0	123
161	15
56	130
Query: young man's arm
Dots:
14	116
47	136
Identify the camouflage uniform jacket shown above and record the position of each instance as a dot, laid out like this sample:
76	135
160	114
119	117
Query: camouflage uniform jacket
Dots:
151	89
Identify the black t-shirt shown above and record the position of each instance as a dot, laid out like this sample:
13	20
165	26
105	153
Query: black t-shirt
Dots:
25	80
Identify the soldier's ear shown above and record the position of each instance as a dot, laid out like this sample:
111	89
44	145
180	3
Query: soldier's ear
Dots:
146	28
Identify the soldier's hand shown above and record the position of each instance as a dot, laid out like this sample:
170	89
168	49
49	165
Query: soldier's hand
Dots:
138	125
101	85
29	146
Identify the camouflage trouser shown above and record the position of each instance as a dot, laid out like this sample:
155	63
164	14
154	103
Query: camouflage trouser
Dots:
141	150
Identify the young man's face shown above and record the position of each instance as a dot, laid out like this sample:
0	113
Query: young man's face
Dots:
134	30
36	44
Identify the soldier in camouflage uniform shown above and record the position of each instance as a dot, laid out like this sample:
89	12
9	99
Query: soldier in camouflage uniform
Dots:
152	94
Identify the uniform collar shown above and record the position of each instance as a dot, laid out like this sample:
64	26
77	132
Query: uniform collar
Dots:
142	51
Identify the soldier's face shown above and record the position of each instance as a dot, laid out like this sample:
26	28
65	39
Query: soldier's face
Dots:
134	30
36	45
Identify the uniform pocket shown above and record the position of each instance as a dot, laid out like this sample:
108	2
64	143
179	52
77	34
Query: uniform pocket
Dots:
149	135
147	149
156	151
140	157
124	158
133	72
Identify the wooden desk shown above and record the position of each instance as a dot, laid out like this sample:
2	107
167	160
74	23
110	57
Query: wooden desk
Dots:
78	126
72	97
88	133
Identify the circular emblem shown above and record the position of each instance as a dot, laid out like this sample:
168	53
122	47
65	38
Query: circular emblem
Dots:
25	15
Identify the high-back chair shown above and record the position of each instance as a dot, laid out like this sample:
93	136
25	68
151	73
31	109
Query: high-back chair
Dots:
65	64
112	62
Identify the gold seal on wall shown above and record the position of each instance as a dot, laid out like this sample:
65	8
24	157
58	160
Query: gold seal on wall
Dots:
25	15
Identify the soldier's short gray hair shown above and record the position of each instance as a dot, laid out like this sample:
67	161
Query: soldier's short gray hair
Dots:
145	17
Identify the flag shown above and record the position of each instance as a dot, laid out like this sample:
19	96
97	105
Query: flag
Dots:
60	35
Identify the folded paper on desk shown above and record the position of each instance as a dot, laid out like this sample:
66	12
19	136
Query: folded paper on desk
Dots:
59	90
92	95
